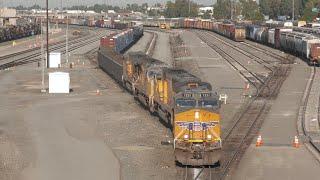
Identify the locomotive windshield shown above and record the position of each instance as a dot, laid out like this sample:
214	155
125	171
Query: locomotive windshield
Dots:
186	102
208	103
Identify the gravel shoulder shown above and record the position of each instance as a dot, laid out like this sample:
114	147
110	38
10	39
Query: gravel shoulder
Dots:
162	49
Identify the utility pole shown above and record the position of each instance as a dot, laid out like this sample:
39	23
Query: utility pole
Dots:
189	7
292	10
47	11
42	58
67	50
231	9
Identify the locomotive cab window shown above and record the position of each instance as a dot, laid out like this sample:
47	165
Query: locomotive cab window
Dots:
186	102
208	103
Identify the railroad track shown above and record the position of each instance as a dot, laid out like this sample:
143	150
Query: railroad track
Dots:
151	44
267	52
31	50
245	72
237	46
35	56
310	136
245	127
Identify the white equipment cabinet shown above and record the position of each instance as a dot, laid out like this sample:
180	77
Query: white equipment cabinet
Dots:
54	59
59	82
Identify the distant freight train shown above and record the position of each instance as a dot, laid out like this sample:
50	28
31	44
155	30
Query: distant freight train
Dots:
188	105
9	33
305	45
301	44
229	30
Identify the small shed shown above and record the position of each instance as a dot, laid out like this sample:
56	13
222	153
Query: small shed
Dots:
59	82
54	59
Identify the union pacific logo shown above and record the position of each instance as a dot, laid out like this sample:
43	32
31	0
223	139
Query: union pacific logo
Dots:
197	126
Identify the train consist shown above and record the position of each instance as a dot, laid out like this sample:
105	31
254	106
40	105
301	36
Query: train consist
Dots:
229	30
301	44
121	41
188	105
9	33
299	41
91	22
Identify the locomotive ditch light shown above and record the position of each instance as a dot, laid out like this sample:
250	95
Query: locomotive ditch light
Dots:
209	136
197	115
186	137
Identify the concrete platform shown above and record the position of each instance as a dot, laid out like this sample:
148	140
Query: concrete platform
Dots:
162	49
277	159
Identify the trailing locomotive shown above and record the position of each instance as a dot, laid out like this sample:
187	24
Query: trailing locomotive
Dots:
187	104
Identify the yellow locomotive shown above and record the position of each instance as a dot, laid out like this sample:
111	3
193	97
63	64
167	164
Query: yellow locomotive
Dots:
187	105
164	26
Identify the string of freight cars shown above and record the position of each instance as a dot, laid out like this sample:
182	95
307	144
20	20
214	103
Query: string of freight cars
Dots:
300	43
9	33
184	102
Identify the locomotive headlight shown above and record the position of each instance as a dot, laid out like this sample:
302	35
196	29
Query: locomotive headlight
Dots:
209	136
186	136
197	115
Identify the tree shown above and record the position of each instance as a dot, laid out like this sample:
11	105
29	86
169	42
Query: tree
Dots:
308	14
180	8
250	10
207	14
285	8
275	8
265	7
222	9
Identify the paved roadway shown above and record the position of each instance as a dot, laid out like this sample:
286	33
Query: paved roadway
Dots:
277	159
162	49
51	136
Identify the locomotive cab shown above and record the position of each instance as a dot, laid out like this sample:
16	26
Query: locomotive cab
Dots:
197	127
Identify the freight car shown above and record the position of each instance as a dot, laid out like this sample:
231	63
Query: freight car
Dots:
304	45
9	33
109	57
229	30
301	44
187	104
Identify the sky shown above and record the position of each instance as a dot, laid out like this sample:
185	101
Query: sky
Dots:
56	3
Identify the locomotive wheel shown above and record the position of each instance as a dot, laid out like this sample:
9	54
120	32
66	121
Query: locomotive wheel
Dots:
171	123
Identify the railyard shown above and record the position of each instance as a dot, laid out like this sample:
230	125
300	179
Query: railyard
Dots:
100	131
